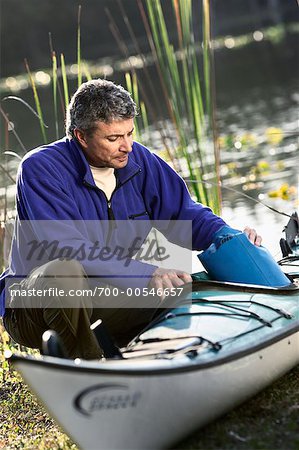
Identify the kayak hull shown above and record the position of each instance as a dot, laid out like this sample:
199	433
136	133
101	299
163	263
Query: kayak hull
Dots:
151	405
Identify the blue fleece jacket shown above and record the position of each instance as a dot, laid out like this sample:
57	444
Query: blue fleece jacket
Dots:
55	183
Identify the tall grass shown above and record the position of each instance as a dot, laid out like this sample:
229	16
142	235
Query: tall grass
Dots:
64	81
141	121
37	102
54	79
181	74
186	87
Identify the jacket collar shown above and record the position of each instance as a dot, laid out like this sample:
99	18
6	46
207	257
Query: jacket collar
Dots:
122	175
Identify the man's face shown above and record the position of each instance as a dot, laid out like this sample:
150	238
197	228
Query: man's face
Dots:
109	144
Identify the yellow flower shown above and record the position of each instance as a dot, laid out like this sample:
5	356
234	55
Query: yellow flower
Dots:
273	194
263	166
285	192
248	139
274	135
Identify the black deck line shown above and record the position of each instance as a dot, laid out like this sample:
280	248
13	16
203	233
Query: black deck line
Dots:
197	286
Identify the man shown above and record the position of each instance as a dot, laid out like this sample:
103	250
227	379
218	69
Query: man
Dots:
97	173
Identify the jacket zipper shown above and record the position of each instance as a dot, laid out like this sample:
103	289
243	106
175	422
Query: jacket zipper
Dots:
109	207
110	210
111	216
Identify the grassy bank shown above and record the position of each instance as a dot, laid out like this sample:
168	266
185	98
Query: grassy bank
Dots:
269	421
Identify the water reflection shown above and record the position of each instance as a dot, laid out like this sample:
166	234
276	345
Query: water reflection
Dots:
256	89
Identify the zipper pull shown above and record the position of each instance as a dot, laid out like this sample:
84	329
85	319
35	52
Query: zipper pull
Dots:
110	211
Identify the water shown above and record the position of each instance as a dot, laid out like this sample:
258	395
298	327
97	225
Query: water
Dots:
256	89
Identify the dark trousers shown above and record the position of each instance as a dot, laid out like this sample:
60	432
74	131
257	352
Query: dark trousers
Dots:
27	318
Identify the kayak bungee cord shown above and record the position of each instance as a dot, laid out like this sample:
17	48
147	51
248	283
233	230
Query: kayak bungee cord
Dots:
280	311
215	345
162	316
171	315
244	333
191	349
247	315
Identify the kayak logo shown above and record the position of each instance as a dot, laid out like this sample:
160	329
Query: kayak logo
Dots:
104	397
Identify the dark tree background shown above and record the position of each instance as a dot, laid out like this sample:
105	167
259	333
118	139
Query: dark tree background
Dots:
25	26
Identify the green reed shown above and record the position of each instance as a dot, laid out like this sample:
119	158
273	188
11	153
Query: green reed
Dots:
141	121
185	86
186	90
64	81
54	83
37	102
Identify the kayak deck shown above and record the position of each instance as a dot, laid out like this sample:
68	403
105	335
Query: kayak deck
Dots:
216	323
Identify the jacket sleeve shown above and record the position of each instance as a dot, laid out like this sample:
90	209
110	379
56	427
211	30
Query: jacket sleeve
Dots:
168	199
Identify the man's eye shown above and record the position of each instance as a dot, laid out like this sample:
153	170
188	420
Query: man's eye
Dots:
112	139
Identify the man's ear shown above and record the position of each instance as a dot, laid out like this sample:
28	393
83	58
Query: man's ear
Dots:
80	136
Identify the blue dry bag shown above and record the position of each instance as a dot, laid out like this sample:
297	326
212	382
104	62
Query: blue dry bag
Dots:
232	257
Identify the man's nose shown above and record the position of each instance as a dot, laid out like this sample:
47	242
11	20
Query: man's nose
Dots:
126	144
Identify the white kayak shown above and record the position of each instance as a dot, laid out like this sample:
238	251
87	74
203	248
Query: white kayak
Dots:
195	362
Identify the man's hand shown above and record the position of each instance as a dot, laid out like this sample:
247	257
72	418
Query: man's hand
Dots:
253	236
168	278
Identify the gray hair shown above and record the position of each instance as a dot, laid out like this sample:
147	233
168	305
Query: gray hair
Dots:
98	100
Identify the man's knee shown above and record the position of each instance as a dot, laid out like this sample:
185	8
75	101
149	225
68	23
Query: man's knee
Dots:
62	268
61	282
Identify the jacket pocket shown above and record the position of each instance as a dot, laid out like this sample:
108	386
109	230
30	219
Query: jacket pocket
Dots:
142	215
